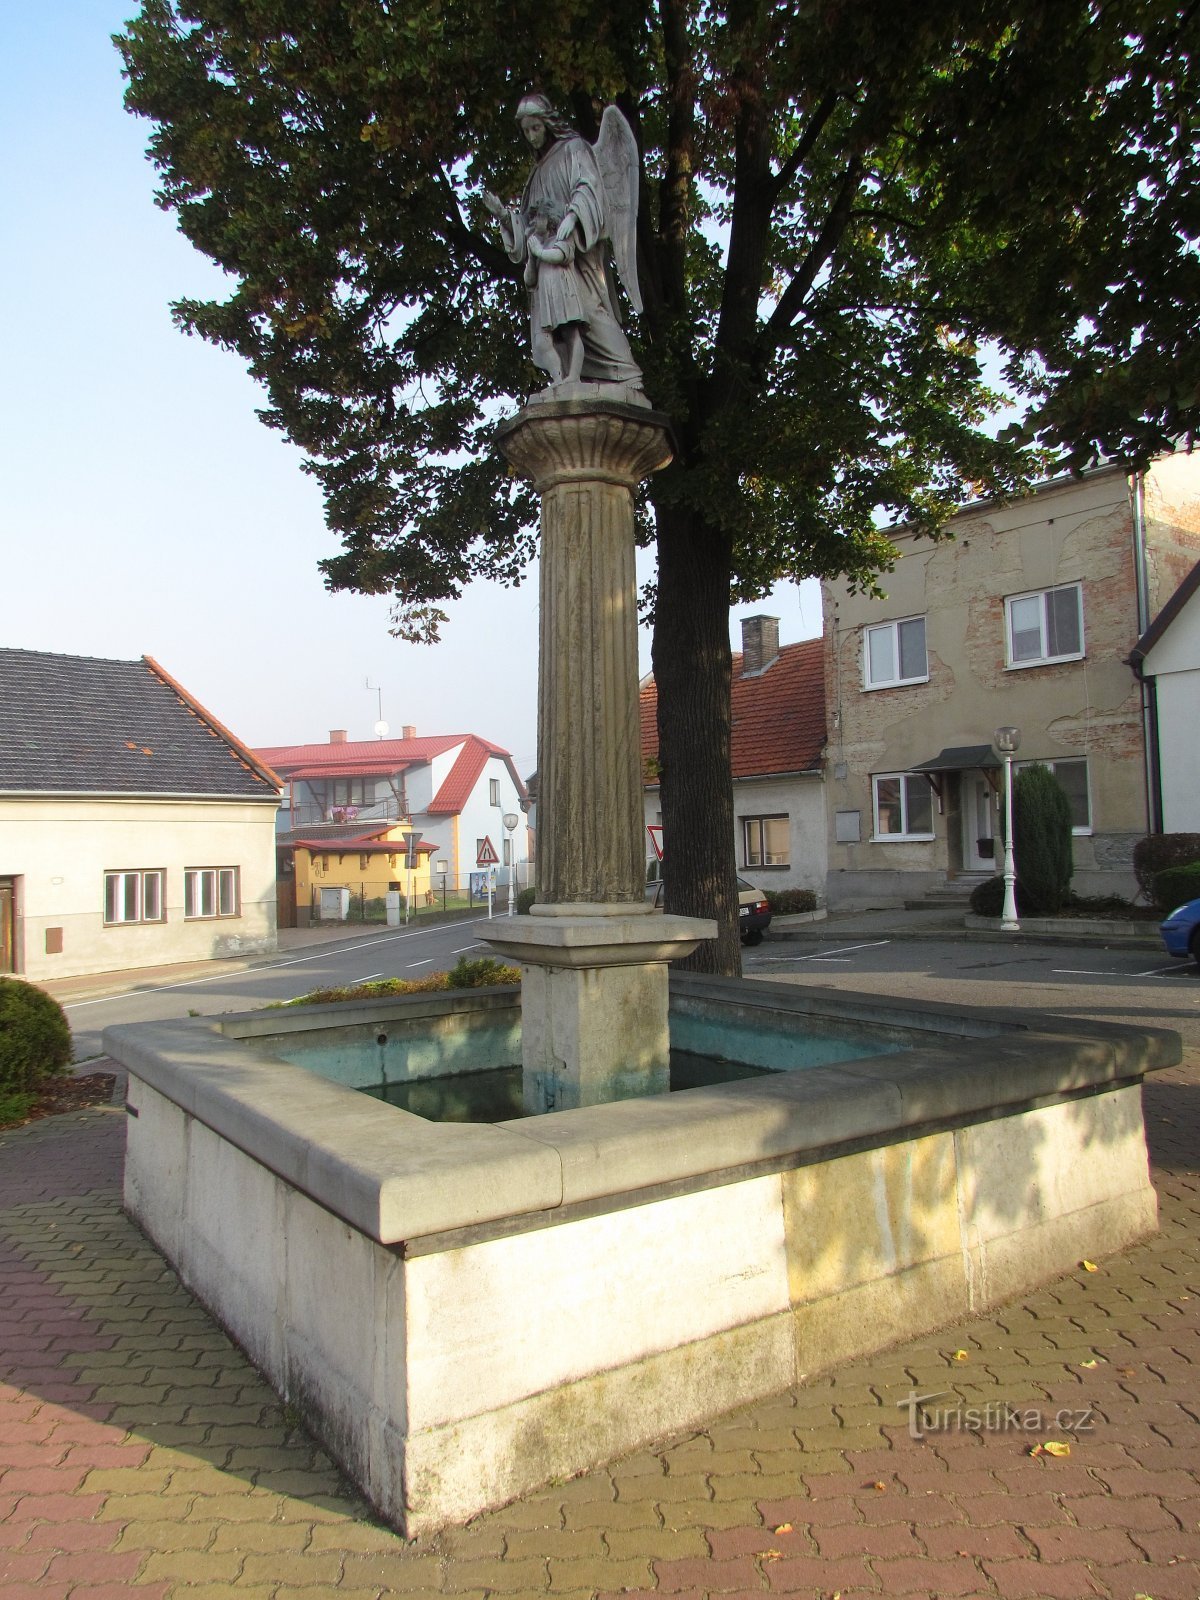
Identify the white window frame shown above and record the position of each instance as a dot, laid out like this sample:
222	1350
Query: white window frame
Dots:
892	628
224	893
1082	831
1043	659
493	791
906	836
136	887
755	823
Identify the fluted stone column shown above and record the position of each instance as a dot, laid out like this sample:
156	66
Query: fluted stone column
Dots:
594	984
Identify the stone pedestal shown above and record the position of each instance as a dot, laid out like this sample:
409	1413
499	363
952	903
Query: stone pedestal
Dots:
594	987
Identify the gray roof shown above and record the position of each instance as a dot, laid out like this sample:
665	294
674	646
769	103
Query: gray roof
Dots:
79	725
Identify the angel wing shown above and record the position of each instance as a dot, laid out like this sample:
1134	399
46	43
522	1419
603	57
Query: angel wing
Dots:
617	157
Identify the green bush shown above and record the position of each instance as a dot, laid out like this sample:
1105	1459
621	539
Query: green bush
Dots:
525	898
35	1043
1173	885
1157	852
1042	839
481	973
789	902
987	898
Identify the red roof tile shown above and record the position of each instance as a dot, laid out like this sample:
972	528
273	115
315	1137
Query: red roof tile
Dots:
778	715
464	774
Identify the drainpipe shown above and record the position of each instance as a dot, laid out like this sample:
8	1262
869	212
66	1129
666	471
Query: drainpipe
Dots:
1149	719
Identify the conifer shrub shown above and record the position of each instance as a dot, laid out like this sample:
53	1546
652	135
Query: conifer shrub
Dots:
789	902
1042	840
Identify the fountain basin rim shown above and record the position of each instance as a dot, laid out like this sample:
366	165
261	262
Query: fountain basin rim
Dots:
399	1178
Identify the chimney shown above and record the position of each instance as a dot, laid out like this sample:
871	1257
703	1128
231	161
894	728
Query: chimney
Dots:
337	735
760	644
408	731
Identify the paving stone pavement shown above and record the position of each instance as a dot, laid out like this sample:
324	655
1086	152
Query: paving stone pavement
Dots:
141	1455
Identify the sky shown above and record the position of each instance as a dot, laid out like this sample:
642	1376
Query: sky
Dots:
144	508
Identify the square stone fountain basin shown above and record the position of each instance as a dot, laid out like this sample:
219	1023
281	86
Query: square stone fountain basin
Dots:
462	1312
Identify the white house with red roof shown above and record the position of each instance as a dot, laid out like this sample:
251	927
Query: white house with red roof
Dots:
453	789
778	740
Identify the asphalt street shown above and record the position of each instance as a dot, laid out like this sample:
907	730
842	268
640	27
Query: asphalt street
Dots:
400	953
1103	983
1122	985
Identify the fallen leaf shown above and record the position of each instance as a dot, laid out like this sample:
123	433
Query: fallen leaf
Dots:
1092	1363
1055	1447
1143	1597
772	1555
880	1485
1127	1372
962	1355
784	1527
1089	1266
1034	1450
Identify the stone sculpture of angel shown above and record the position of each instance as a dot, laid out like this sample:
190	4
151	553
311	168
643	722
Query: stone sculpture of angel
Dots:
579	200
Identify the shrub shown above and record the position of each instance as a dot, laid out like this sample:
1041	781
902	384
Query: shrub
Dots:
1173	885
789	902
987	898
481	973
1157	852
466	975
1042	838
525	898
35	1043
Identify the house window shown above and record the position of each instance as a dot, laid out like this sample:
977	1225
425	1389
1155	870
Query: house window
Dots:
133	897
1072	776
903	805
765	841
493	791
210	892
1047	626
894	653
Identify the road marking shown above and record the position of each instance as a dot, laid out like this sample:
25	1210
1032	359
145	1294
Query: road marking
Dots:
220	977
370	977
426	963
845	950
478	945
1097	972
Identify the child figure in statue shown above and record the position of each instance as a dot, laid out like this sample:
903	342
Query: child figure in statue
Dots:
552	283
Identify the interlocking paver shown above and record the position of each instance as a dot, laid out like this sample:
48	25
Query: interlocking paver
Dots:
141	1456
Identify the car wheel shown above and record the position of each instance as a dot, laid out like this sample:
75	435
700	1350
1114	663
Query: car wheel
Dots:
753	937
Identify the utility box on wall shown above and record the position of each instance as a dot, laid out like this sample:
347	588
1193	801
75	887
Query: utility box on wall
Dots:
335	905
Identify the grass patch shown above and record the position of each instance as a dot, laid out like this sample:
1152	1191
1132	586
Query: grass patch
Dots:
480	974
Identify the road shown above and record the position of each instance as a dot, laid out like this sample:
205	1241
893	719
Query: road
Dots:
1101	983
1119	985
403	953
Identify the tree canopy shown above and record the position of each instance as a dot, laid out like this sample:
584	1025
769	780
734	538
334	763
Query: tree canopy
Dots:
845	204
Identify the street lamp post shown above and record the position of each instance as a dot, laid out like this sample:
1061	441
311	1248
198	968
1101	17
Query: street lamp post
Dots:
1008	742
510	820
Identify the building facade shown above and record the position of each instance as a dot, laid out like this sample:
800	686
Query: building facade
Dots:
134	829
1026	618
778	737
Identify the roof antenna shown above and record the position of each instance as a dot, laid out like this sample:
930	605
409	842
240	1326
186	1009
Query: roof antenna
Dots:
381	727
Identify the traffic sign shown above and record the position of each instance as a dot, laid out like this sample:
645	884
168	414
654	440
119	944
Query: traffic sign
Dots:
486	855
654	829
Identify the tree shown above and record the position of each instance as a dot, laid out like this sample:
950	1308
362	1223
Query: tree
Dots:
1042	840
843	207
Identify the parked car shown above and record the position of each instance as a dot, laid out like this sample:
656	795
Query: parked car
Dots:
754	911
1181	931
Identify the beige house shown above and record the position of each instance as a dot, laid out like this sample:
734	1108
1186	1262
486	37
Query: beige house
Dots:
134	829
1028	618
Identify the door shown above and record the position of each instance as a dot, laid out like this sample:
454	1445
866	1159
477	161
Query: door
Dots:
979	824
7	935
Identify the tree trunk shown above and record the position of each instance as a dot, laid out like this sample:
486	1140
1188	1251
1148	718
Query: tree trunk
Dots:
692	668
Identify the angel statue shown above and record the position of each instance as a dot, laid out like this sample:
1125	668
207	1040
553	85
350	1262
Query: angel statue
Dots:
578	200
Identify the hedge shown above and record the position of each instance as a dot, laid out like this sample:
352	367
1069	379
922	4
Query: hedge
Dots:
35	1043
1173	885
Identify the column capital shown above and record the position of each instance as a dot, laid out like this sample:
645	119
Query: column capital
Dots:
586	441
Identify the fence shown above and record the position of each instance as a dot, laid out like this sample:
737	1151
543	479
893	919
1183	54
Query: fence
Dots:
443	894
